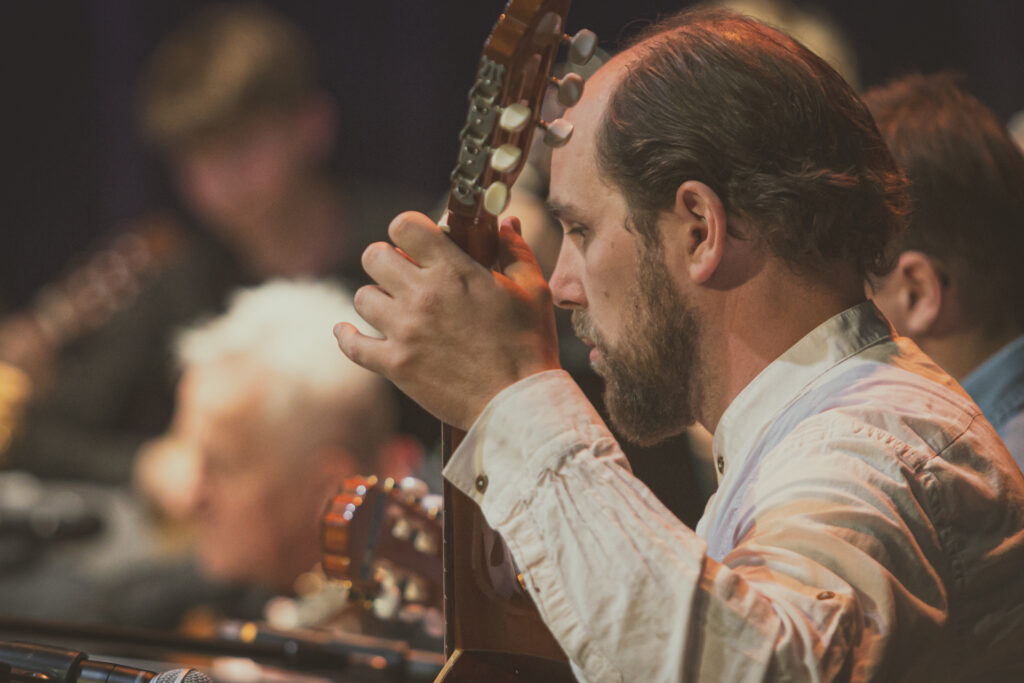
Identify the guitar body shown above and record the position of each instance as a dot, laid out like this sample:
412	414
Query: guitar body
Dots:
500	667
493	631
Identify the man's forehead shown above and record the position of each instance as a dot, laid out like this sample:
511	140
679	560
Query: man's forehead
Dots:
587	114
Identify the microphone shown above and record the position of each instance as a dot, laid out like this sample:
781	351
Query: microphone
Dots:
69	666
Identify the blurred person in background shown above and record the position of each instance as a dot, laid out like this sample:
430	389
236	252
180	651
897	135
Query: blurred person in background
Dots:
958	288
269	421
231	100
810	24
267	426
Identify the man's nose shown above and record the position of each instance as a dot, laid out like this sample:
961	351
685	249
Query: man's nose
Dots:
566	286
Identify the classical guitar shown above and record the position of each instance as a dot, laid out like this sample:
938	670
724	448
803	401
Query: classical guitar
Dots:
492	629
94	288
382	540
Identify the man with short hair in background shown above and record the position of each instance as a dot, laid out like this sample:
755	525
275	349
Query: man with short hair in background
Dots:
958	286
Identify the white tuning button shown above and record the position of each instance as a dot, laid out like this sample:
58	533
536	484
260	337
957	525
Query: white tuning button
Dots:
424	543
401	530
570	89
496	198
514	117
557	133
582	46
432	504
411	486
506	158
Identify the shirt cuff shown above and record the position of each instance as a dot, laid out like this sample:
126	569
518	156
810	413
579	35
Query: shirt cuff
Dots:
525	431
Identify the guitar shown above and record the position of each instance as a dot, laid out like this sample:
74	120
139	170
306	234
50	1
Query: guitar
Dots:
91	291
382	541
492	628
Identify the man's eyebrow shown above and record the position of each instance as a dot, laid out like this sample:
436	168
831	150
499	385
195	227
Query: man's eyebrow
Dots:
561	211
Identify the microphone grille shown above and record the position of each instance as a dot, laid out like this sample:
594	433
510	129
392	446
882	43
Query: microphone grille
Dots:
182	676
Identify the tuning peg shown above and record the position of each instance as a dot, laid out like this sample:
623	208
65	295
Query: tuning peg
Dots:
401	530
424	542
387	602
416	488
582	46
506	158
496	197
570	89
556	133
414	591
432	504
514	117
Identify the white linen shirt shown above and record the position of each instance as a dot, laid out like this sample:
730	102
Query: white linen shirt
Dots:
869	525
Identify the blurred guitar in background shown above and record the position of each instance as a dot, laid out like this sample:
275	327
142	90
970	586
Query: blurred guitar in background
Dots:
90	291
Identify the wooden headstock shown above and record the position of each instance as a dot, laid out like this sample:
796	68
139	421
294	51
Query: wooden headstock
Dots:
504	113
379	538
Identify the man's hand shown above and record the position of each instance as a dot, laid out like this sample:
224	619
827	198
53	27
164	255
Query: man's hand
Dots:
455	333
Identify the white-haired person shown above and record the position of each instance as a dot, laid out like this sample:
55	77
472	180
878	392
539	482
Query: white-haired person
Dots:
269	421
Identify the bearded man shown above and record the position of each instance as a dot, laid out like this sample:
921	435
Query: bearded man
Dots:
723	197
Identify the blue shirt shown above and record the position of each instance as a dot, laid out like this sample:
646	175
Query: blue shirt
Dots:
997	386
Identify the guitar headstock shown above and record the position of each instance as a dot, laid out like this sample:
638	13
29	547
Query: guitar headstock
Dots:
504	113
384	542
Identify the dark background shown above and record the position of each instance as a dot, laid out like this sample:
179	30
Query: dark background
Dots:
73	171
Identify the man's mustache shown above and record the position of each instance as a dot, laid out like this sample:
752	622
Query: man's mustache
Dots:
583	327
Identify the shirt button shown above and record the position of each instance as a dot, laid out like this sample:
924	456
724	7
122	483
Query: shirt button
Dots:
481	483
720	463
826	595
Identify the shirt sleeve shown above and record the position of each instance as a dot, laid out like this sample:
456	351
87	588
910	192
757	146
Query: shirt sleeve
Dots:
627	589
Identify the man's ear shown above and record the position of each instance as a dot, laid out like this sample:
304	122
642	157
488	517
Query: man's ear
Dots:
912	295
704	228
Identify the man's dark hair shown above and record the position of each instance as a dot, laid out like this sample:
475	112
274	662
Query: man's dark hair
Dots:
224	65
967	191
769	126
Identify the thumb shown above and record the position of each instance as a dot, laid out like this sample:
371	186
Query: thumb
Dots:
515	257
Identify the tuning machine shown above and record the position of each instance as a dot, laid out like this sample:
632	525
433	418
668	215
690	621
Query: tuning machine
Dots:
557	132
582	46
570	88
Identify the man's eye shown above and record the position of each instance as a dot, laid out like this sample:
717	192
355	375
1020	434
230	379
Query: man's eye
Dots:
577	230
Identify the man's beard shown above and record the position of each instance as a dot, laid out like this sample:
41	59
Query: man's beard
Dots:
652	386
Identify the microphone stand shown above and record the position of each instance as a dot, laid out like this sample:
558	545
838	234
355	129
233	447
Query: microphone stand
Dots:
302	650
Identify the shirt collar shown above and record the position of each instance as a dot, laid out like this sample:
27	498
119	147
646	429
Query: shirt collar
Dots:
756	406
997	385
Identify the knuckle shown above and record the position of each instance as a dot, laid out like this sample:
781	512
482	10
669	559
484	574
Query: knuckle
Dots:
456	275
359	299
374	252
402	364
427	301
401	224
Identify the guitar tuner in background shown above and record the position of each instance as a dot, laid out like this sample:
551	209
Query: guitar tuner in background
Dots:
382	546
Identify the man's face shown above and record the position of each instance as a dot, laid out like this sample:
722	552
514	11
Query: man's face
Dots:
254	520
241	180
650	377
626	303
